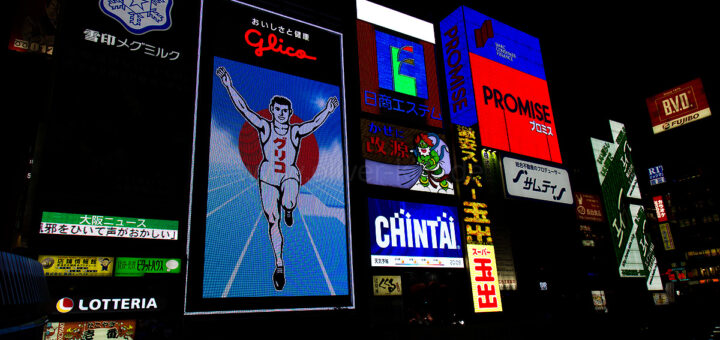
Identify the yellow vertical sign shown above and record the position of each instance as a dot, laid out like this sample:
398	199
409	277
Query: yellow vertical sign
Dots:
484	278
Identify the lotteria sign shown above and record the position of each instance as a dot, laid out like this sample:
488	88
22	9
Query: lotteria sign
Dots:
496	79
96	305
405	234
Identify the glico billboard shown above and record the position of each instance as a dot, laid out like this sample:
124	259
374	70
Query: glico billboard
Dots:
269	224
495	78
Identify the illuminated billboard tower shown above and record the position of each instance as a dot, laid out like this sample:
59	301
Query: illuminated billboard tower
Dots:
495	78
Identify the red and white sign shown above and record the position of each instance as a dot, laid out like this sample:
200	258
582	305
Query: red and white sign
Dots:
513	110
678	106
484	278
660	209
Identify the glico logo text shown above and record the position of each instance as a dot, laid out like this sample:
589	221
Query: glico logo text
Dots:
254	38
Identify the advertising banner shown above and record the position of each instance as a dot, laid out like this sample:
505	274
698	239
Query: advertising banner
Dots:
633	246
666	235
496	79
107	304
139	266
64	265
270	201
406	158
405	234
54	223
537	181
678	106
588	207
397	70
656	175
599	303
95	330
484	278
660	209
384	285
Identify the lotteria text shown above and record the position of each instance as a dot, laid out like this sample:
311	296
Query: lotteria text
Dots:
118	304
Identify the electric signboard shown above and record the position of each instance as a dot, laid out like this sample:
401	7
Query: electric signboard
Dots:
55	223
496	79
406	158
397	65
478	167
666	235
65	265
269	227
588	207
114	304
139	266
387	285
660	209
537	181
678	106
95	330
599	303
407	234
632	244
656	175
484	278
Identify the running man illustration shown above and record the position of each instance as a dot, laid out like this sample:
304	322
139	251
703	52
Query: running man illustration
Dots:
278	175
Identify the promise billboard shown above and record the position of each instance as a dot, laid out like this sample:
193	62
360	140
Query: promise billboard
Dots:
495	78
269	222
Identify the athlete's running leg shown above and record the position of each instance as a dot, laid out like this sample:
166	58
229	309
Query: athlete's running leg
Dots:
289	188
270	197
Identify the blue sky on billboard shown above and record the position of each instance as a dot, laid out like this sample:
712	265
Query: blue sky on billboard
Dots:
239	260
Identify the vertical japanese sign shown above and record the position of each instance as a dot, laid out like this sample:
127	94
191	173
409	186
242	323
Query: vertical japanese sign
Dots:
634	249
599	303
484	278
407	234
397	69
678	106
495	78
406	158
270	224
479	239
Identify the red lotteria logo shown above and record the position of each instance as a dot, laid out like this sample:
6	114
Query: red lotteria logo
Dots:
65	305
274	44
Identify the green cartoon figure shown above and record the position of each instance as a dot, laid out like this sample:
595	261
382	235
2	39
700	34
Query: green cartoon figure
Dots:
426	155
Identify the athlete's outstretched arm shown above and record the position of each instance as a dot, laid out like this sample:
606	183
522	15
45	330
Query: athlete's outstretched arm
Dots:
319	119
240	104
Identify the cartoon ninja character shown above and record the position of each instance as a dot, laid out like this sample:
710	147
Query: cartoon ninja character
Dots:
278	174
426	156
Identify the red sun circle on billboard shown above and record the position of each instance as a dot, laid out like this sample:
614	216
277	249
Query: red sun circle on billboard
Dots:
251	150
65	305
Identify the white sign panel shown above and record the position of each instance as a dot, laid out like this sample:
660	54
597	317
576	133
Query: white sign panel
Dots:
537	181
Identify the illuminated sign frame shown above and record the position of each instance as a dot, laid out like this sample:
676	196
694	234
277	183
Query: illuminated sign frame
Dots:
397	65
234	173
408	234
55	223
496	79
678	106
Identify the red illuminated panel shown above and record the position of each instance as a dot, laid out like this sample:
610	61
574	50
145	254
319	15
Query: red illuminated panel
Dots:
513	109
